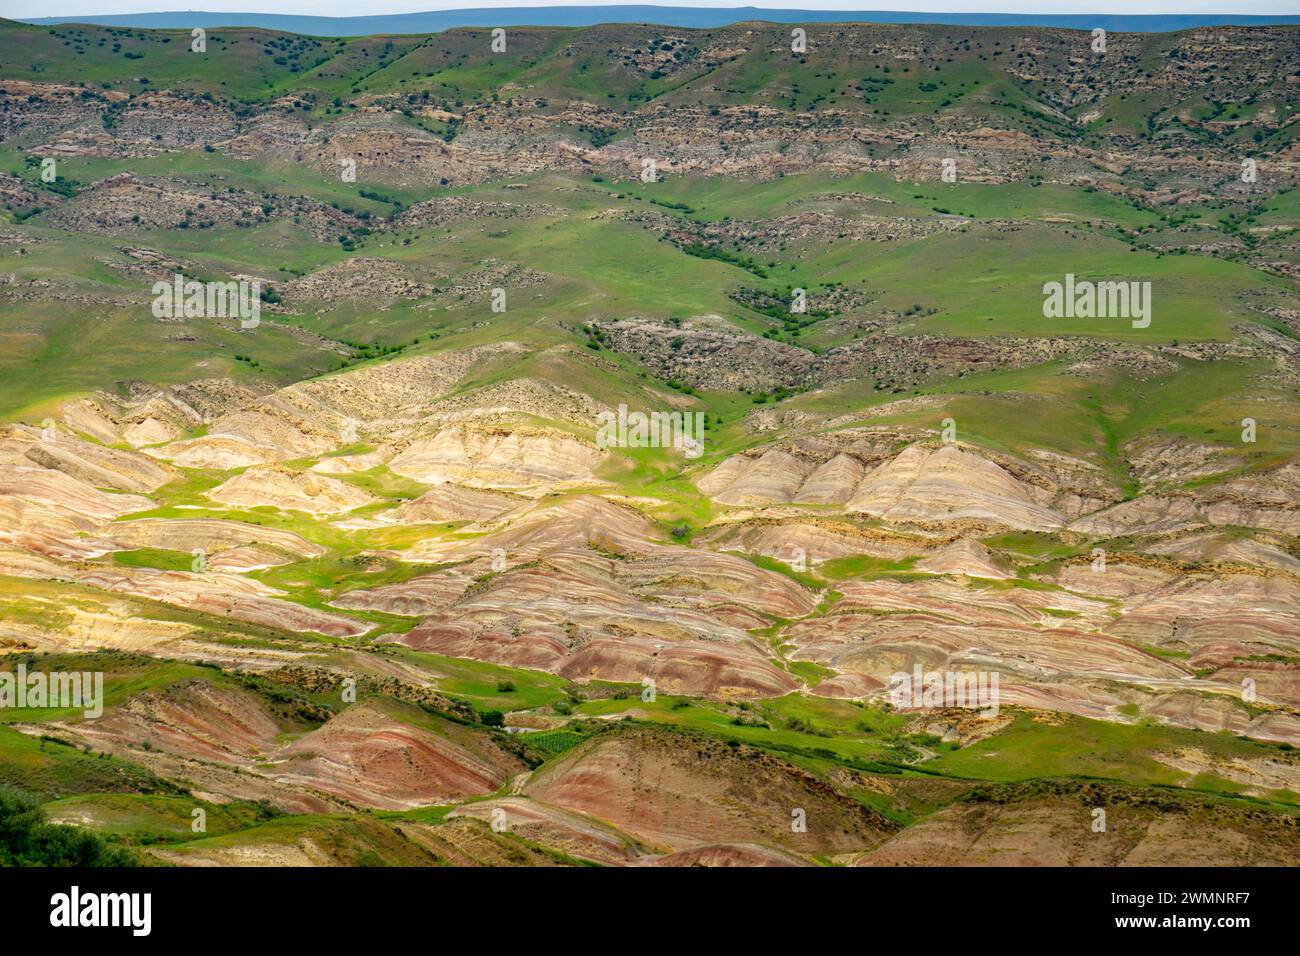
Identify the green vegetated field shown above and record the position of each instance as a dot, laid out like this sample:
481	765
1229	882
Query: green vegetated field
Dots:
982	280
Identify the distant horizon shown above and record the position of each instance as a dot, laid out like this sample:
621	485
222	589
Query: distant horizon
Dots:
340	9
681	15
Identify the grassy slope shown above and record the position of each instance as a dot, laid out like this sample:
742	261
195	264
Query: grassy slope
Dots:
822	735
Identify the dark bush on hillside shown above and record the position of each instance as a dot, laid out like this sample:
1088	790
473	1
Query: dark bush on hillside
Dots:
27	839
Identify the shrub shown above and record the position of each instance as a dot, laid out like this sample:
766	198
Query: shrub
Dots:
27	839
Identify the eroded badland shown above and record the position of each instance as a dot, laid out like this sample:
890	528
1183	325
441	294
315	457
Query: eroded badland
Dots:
365	587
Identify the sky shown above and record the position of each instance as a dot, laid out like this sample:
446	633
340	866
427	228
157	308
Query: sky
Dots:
345	8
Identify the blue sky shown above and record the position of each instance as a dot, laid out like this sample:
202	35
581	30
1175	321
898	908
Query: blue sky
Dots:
343	8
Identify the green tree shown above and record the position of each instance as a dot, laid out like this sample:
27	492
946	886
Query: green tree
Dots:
28	839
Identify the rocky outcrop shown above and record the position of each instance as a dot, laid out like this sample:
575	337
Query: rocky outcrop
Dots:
921	484
499	457
289	491
948	484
